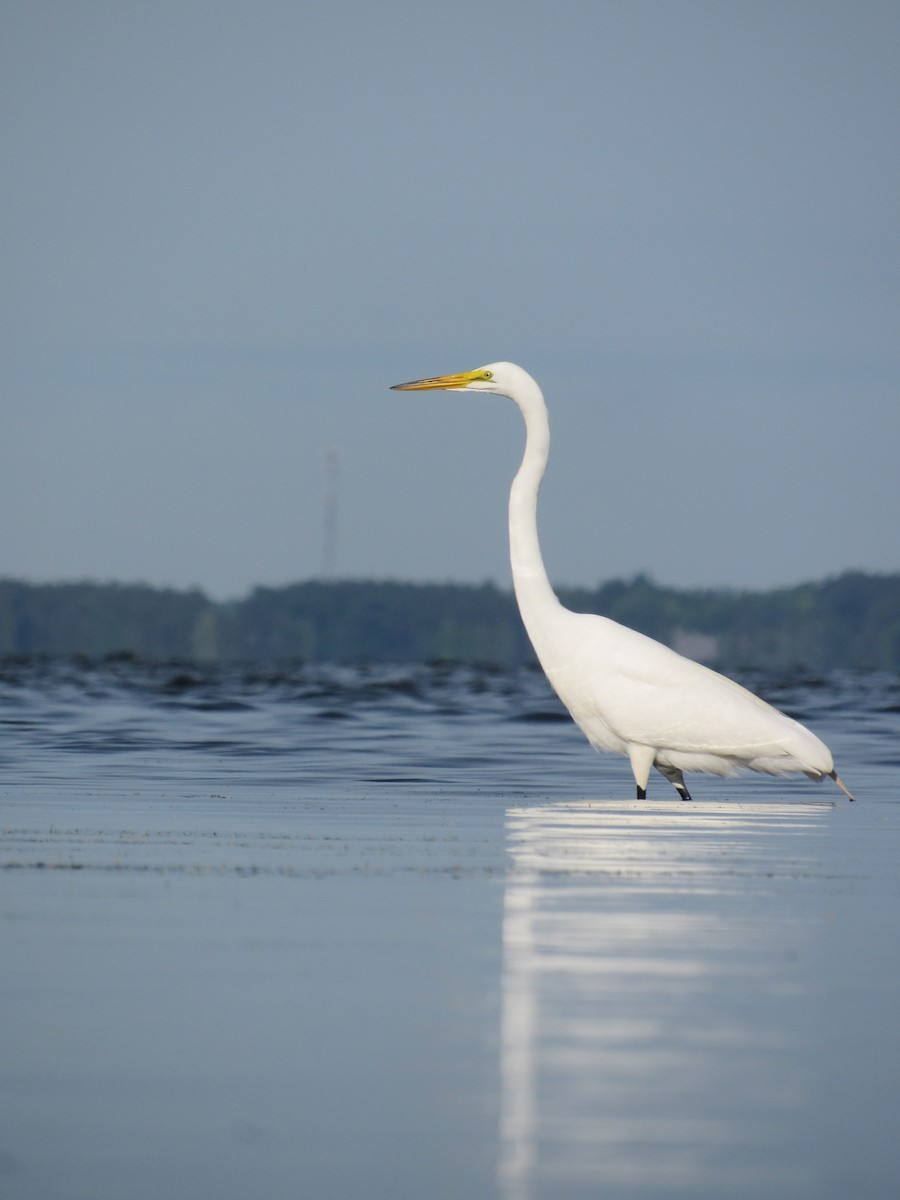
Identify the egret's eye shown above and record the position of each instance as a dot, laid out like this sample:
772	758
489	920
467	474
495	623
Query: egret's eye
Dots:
487	375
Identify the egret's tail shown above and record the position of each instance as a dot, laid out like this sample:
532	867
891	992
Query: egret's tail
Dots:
837	779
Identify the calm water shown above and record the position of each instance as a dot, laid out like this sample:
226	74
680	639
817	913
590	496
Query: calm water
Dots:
393	931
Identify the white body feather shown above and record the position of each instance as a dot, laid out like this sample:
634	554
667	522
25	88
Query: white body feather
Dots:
629	694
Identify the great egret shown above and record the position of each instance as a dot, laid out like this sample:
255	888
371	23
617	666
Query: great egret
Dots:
626	692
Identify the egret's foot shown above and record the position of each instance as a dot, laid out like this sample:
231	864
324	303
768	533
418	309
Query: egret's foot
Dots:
641	793
683	792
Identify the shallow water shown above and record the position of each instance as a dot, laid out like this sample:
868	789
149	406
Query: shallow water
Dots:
399	931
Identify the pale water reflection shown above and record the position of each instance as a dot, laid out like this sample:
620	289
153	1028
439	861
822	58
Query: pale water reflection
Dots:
653	1031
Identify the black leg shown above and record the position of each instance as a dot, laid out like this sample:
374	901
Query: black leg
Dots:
641	793
676	779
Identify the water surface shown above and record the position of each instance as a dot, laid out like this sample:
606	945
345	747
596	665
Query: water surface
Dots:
399	931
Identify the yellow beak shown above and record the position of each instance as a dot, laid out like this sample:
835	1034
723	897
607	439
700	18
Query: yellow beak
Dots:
463	379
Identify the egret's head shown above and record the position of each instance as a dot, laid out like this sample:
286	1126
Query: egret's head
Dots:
500	378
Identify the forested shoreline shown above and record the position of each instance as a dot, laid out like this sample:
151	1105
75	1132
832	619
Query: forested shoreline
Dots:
849	621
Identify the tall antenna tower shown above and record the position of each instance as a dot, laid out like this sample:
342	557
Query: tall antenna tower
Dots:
330	512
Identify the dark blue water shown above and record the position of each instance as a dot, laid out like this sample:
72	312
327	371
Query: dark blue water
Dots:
397	930
346	729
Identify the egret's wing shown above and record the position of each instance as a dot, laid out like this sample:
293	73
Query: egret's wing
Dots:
646	693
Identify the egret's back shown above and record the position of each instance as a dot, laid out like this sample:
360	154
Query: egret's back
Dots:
624	689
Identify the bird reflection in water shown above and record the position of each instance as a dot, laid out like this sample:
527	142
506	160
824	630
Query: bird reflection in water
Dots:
652	1015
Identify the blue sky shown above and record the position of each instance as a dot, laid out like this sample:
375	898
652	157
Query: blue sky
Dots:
227	229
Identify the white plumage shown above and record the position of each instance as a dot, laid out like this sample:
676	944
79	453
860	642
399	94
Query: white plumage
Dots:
626	692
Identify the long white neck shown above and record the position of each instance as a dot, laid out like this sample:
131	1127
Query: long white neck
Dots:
534	594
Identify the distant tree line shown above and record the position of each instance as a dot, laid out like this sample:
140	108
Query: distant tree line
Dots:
852	620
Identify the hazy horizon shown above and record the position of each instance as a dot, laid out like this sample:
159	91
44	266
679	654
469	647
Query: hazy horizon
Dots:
503	586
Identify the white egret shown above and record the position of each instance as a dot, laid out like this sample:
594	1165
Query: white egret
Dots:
626	692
